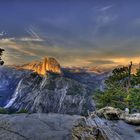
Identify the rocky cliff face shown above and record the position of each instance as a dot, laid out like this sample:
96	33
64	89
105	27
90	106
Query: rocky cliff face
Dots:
48	64
9	79
91	79
52	93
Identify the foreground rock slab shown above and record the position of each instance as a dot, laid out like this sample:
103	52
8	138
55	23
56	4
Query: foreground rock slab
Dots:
125	130
36	127
53	127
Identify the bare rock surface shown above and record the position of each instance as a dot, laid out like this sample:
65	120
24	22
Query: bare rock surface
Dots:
53	127
125	130
36	127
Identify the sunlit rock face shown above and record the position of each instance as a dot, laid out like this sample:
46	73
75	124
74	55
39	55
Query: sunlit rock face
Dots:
48	64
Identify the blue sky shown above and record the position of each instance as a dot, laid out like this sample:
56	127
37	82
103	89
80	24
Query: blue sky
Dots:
76	32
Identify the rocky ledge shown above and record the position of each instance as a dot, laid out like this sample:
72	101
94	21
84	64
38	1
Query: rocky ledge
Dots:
54	127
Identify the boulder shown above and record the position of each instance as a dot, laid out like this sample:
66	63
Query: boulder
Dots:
110	113
93	128
133	119
137	129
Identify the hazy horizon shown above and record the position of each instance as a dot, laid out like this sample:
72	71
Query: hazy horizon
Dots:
76	33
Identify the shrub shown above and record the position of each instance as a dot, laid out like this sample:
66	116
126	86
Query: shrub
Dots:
23	111
3	111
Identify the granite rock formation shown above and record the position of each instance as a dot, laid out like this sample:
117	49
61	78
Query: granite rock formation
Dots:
51	93
9	79
48	64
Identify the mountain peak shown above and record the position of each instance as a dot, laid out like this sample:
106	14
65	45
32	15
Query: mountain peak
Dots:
48	64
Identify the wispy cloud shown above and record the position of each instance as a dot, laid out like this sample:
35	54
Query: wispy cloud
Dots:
30	39
101	62
7	40
22	39
103	20
20	49
34	35
105	8
10	43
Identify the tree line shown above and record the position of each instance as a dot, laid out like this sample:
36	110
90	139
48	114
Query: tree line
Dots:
122	89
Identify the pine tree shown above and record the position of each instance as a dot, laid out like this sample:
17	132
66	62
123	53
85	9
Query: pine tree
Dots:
1	52
121	77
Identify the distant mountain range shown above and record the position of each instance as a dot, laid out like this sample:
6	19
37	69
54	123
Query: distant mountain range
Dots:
43	86
46	87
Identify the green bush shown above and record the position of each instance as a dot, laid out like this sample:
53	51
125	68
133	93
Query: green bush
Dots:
23	111
133	99
3	111
12	111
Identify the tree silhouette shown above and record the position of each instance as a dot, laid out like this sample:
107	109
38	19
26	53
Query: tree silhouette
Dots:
1	52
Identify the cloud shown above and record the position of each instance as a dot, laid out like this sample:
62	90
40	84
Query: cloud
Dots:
30	39
95	61
103	20
105	8
6	40
23	52
33	33
10	44
2	33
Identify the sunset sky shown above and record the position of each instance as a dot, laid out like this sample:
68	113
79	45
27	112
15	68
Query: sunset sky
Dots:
76	32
